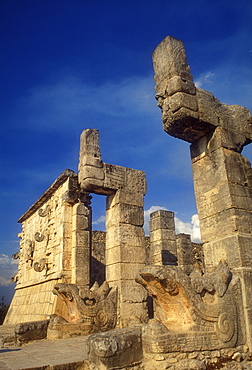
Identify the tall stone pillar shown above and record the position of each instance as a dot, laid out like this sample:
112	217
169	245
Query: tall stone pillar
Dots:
223	189
81	245
185	253
125	242
222	176
125	250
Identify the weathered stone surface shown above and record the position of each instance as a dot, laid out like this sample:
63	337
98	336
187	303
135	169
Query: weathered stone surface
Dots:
129	235
116	349
162	219
125	188
185	254
202	304
30	331
124	213
95	308
222	177
52	232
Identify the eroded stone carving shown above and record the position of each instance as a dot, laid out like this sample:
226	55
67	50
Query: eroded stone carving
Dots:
15	256
14	279
28	250
41	265
193	304
93	310
189	112
222	176
44	212
39	236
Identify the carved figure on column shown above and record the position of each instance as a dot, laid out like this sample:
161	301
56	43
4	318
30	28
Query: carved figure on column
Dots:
202	304
222	176
89	310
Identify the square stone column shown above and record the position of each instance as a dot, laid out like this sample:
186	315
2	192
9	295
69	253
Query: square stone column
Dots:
125	240
126	254
163	250
223	189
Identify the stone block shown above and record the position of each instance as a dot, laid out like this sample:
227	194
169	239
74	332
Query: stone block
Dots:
125	271
89	142
162	235
124	213
225	223
249	327
135	181
162	219
81	222
81	238
169	59
167	245
133	313
131	235
126	197
66	214
91	175
131	291
66	261
223	197
81	209
177	84
113	349
209	171
114	176
178	100
125	254
88	160
246	276
226	138
235	249
237	167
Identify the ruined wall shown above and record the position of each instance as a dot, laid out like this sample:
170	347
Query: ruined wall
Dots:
54	234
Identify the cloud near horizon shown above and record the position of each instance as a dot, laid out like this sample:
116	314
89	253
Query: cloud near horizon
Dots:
8	267
192	228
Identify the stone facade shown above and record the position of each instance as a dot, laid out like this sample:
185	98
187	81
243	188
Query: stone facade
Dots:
54	247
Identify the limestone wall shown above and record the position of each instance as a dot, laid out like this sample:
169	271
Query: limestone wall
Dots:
55	234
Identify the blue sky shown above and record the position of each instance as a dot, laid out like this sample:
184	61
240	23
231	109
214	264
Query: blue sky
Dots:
67	65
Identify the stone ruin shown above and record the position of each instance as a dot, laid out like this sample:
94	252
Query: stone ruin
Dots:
152	302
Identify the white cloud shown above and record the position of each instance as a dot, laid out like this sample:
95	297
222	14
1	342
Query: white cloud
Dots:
5	282
72	100
205	78
7	260
100	220
8	267
192	228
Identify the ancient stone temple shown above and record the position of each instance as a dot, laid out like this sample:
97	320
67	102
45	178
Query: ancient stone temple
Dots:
146	302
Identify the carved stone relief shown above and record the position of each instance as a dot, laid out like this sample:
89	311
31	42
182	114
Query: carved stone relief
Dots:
202	304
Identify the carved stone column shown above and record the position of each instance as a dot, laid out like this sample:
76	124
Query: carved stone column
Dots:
125	242
222	176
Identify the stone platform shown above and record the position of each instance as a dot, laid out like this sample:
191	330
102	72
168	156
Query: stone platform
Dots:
63	354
